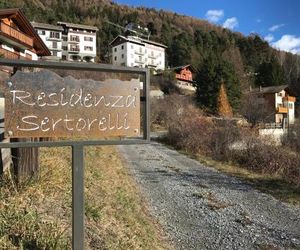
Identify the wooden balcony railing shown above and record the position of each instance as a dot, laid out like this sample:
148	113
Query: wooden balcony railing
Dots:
16	34
289	98
282	109
13	55
184	77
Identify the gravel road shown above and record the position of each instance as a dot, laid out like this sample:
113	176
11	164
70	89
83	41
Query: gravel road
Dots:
201	208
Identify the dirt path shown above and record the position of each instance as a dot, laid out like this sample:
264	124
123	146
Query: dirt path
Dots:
201	208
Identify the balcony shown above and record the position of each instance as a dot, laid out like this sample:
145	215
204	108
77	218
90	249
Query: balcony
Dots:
58	48
282	109
13	55
13	34
139	52
74	50
289	98
152	64
53	38
184	77
152	56
74	39
141	61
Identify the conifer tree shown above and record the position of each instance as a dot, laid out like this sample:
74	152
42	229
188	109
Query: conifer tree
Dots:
224	109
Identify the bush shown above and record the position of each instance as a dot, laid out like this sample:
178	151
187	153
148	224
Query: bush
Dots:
268	159
292	138
223	140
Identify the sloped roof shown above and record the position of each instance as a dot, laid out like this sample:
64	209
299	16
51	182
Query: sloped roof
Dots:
46	26
270	89
78	26
24	25
136	40
177	68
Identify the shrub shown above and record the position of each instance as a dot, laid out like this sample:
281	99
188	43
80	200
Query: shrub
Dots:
268	159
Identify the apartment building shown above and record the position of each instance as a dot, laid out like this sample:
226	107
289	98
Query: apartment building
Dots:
132	51
78	42
52	37
18	39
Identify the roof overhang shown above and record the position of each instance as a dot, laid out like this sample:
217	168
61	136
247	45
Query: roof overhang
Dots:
25	26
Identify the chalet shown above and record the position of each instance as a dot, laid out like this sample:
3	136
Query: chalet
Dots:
184	76
279	100
133	51
18	39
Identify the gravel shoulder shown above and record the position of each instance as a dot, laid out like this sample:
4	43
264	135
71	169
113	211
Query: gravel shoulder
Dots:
202	208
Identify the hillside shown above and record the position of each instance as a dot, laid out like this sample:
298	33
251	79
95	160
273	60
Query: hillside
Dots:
243	60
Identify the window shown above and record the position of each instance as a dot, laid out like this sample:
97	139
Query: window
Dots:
122	47
41	32
54	53
54	35
290	105
115	49
115	58
65	47
65	38
74	38
88	38
88	48
74	48
122	55
64	58
54	45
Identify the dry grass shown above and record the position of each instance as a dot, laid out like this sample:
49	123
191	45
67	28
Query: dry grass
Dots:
39	215
268	183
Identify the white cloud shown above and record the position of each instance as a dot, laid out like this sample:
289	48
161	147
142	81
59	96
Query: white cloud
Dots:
231	23
214	15
269	38
288	43
276	27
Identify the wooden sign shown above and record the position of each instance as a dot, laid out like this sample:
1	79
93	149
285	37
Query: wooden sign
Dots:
44	104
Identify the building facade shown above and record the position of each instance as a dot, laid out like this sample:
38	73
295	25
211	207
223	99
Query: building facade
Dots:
184	77
280	103
18	39
133	51
78	42
52	37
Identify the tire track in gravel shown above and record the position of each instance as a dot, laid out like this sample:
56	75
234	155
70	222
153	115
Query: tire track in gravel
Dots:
202	208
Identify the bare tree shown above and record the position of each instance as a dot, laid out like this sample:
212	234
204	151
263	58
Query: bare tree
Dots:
255	109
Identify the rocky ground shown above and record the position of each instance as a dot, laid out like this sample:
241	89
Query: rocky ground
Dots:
201	208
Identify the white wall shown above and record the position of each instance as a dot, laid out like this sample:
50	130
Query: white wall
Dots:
83	51
128	54
49	42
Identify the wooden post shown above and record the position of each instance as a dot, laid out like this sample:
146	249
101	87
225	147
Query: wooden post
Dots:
25	161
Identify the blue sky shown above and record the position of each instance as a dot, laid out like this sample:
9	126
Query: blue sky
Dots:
277	21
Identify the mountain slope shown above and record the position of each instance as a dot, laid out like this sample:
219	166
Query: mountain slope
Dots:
189	40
